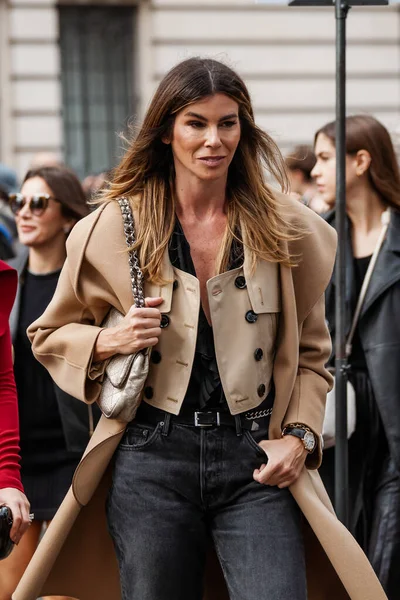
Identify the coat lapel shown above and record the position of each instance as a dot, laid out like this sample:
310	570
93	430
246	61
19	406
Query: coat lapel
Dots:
387	268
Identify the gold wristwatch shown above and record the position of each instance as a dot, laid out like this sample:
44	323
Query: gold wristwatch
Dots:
304	433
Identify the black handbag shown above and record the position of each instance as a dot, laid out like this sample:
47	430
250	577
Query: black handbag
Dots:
6	521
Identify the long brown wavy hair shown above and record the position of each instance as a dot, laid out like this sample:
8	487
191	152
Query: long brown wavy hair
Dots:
364	132
146	173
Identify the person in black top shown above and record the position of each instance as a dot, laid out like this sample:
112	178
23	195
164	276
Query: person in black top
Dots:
51	201
372	186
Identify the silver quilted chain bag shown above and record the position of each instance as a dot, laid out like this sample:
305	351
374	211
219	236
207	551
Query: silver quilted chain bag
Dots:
125	375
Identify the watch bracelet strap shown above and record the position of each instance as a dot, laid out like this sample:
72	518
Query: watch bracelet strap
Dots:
290	426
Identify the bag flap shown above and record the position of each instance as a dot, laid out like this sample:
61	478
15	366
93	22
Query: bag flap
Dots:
119	368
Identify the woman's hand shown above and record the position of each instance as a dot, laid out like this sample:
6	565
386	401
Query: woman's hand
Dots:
286	459
18	503
139	329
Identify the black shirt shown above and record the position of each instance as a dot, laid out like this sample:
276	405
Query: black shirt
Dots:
205	388
357	358
42	439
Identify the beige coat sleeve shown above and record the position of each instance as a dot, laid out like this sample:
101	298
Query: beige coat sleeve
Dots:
307	404
63	339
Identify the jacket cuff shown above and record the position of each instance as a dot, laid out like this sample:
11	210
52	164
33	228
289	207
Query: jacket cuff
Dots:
95	370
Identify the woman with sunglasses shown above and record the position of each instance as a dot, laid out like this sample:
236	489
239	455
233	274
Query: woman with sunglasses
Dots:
53	427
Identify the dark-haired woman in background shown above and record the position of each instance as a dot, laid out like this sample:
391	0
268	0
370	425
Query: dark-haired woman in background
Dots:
54	427
372	187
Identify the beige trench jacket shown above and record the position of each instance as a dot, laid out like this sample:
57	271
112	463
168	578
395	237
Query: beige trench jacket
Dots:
76	557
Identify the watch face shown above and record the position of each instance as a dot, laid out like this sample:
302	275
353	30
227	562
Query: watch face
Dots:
309	441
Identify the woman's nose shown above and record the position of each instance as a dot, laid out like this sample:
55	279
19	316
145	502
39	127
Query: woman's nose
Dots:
213	139
25	210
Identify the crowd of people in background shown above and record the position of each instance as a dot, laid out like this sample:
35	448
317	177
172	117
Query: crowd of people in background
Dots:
35	221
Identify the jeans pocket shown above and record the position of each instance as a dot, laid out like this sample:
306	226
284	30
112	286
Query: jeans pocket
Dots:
254	445
138	436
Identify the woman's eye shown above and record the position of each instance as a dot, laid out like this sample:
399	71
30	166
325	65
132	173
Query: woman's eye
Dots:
196	124
229	124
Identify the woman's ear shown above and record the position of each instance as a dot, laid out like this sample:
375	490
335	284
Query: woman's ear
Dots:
166	139
363	160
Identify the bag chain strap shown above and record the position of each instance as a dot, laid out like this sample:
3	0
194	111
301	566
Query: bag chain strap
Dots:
134	266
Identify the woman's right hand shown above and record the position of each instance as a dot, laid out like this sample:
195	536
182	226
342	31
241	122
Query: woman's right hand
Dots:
18	503
139	329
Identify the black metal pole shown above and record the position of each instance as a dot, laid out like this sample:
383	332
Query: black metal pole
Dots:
341	451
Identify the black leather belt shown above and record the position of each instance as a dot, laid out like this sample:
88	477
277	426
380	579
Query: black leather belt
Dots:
150	414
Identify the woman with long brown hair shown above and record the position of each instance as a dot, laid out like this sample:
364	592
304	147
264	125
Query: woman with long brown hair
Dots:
372	190
233	404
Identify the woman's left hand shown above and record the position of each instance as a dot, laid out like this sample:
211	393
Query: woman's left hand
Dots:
286	459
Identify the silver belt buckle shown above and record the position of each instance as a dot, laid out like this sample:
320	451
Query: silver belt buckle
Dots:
198	424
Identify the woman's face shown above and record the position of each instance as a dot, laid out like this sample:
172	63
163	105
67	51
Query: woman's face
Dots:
37	230
205	137
324	171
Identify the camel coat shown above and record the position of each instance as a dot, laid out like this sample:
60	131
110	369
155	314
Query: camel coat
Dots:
76	557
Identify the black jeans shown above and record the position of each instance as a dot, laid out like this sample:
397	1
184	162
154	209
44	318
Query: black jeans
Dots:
175	485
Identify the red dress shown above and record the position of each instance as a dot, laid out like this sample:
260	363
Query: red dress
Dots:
9	437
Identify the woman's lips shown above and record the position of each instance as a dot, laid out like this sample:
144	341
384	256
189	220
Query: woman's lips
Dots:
26	228
212	161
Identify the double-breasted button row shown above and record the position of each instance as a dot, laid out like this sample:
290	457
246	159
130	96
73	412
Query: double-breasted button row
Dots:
241	284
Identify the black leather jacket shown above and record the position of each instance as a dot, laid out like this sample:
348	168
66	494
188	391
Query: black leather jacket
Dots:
77	418
379	327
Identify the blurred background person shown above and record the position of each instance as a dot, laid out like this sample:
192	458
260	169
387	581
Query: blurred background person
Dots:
11	489
8	230
45	159
300	162
93	183
372	185
54	427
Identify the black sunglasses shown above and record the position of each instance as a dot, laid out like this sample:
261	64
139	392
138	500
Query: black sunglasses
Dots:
37	203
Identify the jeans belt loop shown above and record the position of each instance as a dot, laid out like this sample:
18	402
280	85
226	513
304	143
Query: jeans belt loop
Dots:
166	424
238	424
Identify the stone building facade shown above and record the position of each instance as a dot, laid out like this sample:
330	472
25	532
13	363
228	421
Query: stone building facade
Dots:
71	74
